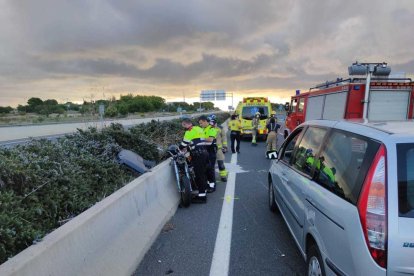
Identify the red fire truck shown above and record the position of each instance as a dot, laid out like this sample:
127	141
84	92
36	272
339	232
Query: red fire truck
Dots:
376	97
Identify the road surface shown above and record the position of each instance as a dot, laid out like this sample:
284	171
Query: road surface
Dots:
250	240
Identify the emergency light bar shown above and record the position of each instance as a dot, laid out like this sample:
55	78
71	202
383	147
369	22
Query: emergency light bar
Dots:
255	99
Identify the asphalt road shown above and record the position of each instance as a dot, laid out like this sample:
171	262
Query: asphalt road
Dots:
261	243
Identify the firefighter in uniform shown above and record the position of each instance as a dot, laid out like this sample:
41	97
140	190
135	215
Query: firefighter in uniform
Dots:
255	127
221	141
272	115
195	142
235	128
210	134
272	128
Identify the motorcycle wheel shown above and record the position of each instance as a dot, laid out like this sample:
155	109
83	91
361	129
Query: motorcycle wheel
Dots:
185	191
193	182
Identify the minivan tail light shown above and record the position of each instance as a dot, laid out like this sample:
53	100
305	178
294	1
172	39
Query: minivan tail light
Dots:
372	207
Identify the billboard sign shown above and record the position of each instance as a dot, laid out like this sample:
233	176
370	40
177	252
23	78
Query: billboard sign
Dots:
208	95
220	95
212	95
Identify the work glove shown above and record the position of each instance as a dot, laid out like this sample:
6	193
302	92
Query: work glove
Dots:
224	149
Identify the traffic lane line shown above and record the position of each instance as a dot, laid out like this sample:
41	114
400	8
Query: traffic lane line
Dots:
221	257
188	245
261	242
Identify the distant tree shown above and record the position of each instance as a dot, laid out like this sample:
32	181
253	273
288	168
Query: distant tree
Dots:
50	102
126	98
73	106
207	105
70	106
111	111
157	102
49	109
5	110
146	105
104	102
172	106
22	108
122	108
34	102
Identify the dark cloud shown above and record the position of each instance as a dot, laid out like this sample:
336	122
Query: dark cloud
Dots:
209	67
232	43
164	70
93	67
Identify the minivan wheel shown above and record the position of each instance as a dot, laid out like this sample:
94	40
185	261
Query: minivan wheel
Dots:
315	263
272	203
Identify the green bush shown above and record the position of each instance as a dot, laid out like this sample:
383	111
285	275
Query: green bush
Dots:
44	184
111	112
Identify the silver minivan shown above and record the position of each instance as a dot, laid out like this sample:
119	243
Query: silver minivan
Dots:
346	192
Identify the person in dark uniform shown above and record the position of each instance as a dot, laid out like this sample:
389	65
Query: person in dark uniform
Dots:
210	134
195	142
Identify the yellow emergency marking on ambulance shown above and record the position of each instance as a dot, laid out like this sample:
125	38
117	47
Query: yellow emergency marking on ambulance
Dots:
247	110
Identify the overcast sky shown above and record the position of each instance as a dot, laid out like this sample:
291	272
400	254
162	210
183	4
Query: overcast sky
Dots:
74	50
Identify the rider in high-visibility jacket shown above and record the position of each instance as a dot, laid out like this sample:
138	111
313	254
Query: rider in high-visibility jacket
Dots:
210	134
194	141
221	140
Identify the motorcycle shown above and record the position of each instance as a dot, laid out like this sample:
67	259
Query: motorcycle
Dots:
184	174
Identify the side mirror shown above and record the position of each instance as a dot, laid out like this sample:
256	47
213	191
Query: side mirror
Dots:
271	154
287	106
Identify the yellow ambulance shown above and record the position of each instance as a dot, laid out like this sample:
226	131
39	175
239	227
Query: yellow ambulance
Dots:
247	109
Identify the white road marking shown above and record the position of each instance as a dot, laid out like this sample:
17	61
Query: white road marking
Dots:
234	168
221	256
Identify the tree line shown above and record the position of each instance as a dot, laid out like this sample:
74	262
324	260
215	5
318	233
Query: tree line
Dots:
123	106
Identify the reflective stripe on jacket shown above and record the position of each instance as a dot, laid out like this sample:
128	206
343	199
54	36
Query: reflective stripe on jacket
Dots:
194	137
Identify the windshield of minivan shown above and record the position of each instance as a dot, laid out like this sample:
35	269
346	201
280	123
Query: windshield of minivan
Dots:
248	112
405	156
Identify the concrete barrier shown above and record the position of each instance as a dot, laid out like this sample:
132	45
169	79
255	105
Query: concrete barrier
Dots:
110	238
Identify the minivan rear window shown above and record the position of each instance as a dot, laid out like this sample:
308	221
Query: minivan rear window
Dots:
343	163
405	163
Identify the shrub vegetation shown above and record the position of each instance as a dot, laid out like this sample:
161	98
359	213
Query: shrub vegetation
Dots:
44	184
